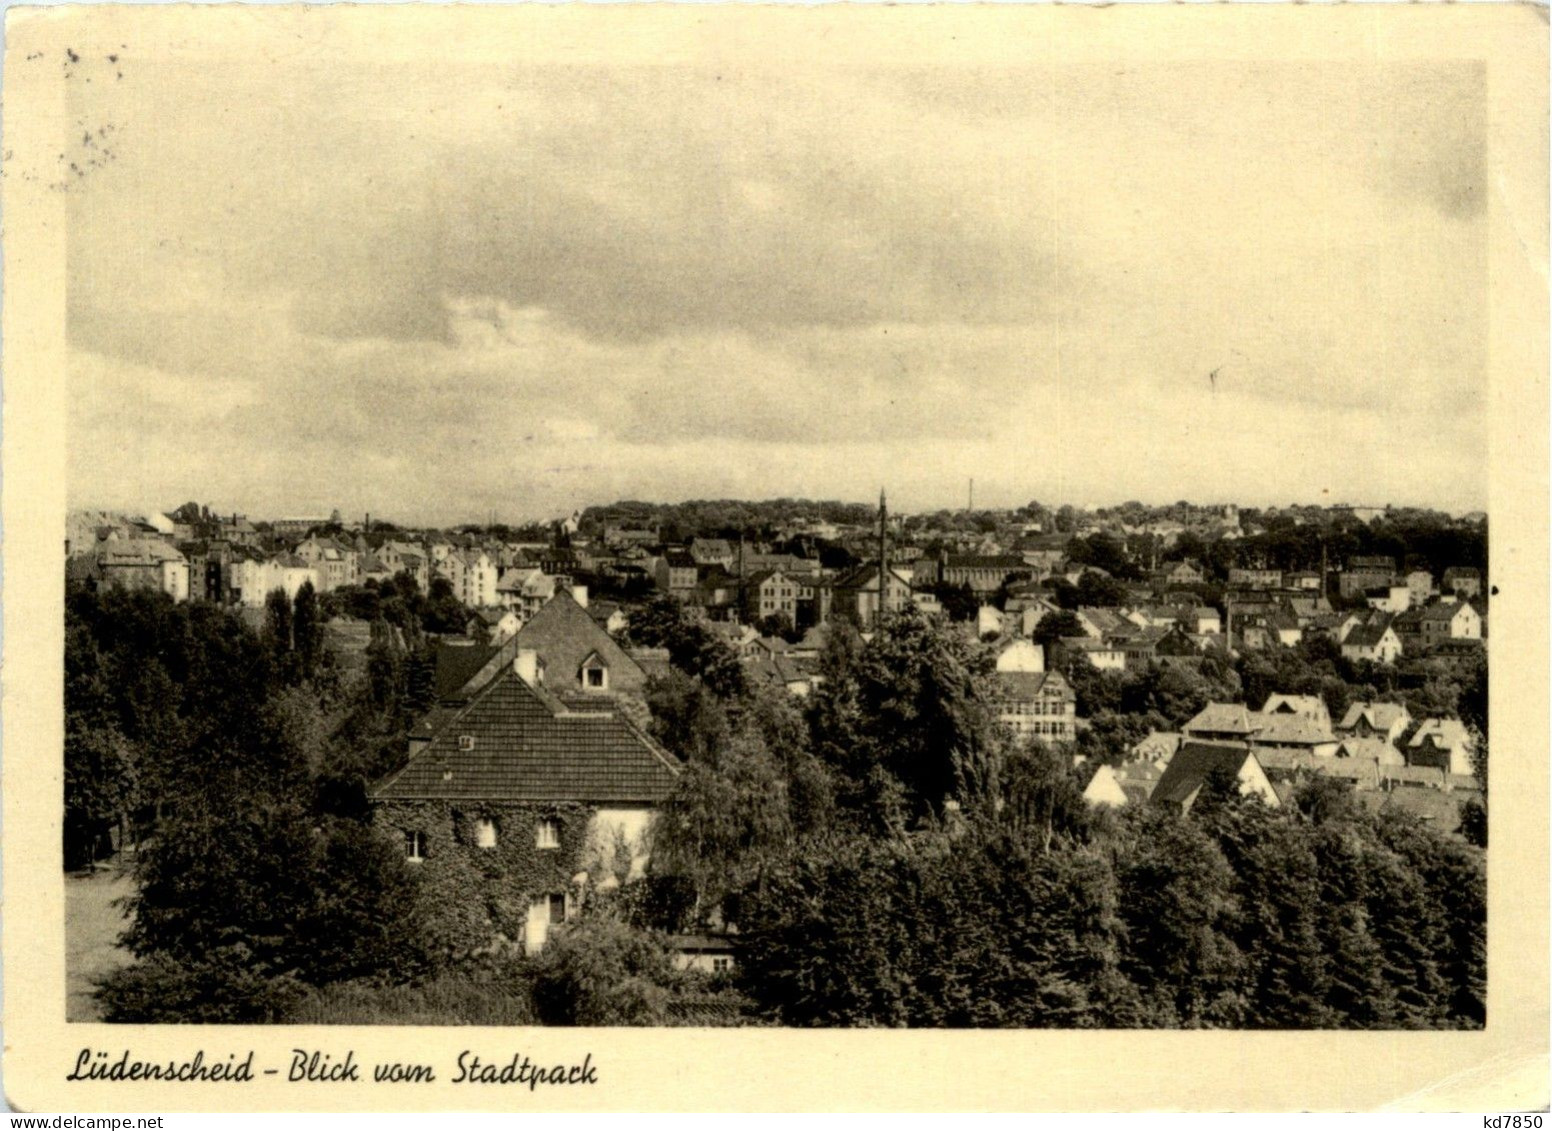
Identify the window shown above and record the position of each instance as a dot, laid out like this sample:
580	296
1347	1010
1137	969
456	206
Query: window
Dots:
557	909
415	846
485	833
466	742
596	677
548	835
721	965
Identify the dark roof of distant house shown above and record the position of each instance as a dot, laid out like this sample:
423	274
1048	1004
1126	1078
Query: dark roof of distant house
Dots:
1461	572
528	746
1443	613
986	561
1023	687
1191	764
1366	635
679	559
864	576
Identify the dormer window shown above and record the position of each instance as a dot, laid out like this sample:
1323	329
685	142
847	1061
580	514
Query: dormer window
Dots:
595	673
466	742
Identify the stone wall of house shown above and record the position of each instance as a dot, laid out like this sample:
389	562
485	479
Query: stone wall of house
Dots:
484	892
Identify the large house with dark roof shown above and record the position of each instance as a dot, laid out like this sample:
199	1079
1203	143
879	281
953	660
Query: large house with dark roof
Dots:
526	794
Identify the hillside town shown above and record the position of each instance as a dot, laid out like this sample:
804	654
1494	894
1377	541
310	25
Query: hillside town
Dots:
541	718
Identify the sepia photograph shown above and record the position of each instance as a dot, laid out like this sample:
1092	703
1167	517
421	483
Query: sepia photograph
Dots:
717	538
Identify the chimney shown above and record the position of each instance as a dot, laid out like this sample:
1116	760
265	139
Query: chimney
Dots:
579	593
526	665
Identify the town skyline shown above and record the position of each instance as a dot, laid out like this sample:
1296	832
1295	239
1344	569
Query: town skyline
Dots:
503	517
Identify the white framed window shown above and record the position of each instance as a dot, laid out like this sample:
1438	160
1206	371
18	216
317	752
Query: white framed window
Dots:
596	677
415	847
485	833
548	834
466	742
721	965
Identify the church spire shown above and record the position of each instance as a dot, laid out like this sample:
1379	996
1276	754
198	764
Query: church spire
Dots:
883	552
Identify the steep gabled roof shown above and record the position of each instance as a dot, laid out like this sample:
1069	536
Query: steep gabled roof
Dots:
1381	716
564	636
528	746
1448	733
1366	635
1024	687
1189	768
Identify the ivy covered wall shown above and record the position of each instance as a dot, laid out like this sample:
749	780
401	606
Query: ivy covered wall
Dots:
476	898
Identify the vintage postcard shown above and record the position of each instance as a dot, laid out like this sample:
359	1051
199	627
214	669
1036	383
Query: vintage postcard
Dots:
731	557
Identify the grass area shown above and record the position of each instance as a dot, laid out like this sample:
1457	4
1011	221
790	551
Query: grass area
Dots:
93	922
449	1000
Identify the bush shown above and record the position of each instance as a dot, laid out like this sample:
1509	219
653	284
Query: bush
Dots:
225	988
598	970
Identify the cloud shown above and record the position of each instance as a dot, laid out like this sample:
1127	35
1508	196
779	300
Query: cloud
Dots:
525	286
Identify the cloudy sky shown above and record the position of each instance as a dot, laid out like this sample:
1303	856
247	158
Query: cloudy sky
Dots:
432	292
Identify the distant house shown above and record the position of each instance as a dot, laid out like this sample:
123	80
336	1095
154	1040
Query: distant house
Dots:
1203	620
1179	573
1381	751
1387	721
703	954
1192	765
497	626
1158	747
1037	704
142	563
1102	623
1420	583
525	590
1101	655
1457	621
473	575
856	594
609	616
1304	579
712	551
1365	573
1444	744
1389	598
1255	578
1311	707
769	592
1376	642
675	573
983	573
1463	581
1218	722
533	793
1294	732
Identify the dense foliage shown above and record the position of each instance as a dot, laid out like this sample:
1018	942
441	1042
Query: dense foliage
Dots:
893	858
